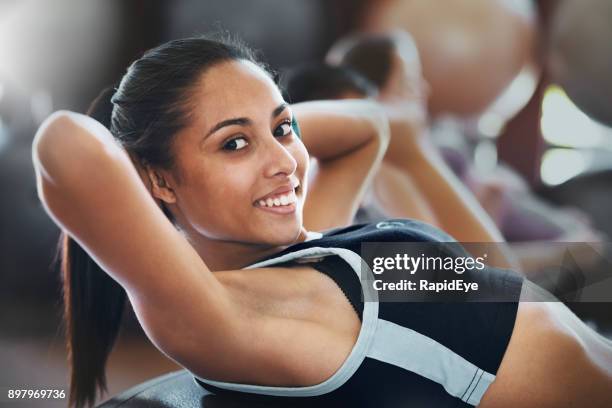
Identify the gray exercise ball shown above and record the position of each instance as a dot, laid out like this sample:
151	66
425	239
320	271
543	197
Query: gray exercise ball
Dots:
580	55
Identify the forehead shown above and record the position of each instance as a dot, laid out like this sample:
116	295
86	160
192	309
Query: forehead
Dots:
234	89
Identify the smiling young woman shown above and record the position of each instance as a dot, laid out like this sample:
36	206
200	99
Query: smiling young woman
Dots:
207	131
193	174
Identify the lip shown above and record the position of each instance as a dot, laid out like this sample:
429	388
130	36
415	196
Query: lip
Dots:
285	188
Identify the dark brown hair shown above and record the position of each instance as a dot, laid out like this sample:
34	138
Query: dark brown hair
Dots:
315	81
371	56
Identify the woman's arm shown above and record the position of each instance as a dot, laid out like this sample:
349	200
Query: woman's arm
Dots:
396	193
454	207
89	186
348	140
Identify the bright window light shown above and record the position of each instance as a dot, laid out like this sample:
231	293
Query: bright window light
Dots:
560	165
563	124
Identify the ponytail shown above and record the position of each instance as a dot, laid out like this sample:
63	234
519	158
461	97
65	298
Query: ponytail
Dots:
93	305
149	107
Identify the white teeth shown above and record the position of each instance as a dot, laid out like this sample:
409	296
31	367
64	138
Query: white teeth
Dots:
284	199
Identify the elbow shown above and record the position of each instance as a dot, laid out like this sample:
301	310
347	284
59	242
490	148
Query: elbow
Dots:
67	145
49	142
381	134
48	159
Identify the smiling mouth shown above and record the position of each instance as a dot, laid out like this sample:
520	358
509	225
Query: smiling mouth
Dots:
285	199
282	203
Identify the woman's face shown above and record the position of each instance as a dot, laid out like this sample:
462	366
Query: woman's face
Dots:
240	168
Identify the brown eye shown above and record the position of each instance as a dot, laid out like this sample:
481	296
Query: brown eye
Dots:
283	130
235	144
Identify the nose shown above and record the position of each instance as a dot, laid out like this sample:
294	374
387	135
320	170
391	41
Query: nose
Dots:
278	159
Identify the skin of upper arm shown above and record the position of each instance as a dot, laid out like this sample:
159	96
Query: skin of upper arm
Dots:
337	189
454	207
91	189
396	193
349	146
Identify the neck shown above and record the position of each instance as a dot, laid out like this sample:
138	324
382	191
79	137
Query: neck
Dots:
222	255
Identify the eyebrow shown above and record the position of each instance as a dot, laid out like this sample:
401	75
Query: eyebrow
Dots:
243	121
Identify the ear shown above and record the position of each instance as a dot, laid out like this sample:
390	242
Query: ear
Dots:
159	186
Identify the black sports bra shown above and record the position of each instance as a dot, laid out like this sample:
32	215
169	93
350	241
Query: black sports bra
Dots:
417	354
341	273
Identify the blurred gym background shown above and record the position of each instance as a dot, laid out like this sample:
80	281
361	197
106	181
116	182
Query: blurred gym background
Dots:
526	83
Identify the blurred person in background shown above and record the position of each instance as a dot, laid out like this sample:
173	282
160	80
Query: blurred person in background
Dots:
413	181
472	51
506	197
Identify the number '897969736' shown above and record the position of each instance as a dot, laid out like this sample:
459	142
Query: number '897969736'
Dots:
29	393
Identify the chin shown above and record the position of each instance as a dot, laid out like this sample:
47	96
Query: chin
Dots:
282	236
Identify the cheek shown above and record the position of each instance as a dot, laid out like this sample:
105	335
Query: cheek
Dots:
227	188
215	196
